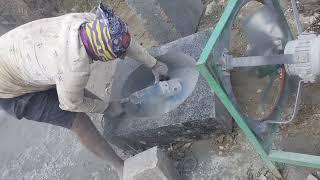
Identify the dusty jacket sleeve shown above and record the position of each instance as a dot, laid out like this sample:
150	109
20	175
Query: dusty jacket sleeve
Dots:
70	88
137	52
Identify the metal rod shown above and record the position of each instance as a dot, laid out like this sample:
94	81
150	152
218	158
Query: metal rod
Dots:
261	60
299	159
296	16
294	110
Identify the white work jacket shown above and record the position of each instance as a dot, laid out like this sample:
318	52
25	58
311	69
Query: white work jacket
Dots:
48	53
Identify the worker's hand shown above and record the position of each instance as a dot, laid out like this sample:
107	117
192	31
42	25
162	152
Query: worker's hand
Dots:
114	109
160	70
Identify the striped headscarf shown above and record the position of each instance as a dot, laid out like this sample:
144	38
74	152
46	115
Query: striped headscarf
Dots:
106	37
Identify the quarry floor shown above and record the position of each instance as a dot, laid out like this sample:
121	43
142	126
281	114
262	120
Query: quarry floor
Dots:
31	150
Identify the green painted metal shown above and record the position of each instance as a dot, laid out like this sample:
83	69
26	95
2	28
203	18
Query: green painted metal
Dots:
295	158
206	67
237	117
217	31
221	94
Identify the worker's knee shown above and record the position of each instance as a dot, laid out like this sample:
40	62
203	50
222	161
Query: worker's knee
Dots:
81	116
39	106
80	120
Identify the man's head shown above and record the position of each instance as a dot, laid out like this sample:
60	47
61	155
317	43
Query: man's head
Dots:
108	36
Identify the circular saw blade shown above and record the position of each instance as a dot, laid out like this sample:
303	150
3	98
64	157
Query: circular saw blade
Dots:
264	32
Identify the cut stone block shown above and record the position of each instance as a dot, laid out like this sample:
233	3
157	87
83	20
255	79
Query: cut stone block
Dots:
199	116
168	20
100	80
191	45
152	164
311	177
136	26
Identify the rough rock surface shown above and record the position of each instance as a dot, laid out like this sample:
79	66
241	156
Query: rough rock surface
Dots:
150	164
166	19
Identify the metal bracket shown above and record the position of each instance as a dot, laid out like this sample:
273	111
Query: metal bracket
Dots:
229	62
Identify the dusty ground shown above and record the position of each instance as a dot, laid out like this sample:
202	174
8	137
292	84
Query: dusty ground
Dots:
36	151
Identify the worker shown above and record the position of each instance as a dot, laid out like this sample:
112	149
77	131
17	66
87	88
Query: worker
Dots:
45	66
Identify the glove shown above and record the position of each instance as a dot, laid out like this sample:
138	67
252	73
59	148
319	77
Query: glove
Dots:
160	71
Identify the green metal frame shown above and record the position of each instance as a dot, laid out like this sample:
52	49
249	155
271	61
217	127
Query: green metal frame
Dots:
204	65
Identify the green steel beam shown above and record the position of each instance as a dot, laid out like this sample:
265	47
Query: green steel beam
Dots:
215	86
202	66
217	31
238	118
298	159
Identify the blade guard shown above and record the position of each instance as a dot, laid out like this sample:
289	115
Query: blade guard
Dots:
210	63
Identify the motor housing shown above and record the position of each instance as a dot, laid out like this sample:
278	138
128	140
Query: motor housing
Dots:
306	54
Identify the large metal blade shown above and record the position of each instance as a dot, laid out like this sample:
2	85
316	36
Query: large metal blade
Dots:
264	32
147	99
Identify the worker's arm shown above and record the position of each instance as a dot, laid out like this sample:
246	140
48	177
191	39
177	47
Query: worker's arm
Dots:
70	88
138	53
